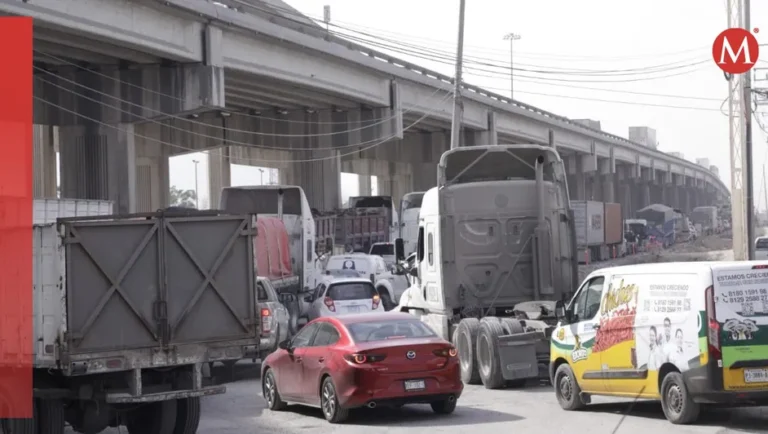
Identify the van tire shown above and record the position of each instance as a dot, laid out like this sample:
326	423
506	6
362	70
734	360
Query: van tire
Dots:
466	344
677	403
567	389
489	360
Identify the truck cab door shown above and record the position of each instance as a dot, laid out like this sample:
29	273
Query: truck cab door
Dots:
579	336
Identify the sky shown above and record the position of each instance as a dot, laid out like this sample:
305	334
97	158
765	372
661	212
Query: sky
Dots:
602	35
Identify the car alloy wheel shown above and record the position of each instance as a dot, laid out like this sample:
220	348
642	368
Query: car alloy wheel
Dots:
329	400
269	389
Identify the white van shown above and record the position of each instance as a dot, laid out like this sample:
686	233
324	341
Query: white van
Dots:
684	333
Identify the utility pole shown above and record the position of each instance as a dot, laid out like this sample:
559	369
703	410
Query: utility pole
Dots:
197	192
748	169
458	107
262	176
512	37
736	136
327	17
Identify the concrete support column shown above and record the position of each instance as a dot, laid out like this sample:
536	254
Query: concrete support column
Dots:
219	174
99	162
153	181
364	184
607	169
44	158
645	194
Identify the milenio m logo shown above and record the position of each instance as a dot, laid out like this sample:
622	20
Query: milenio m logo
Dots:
736	50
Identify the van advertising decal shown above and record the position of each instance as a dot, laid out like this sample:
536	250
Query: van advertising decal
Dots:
741	307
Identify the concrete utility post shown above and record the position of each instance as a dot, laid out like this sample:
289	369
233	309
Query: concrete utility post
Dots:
197	192
458	109
512	37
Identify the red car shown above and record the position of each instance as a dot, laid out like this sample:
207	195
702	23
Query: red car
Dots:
351	361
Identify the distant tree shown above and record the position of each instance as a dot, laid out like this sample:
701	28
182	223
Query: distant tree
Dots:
183	198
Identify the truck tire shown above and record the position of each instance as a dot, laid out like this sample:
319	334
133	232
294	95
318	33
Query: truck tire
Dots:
511	326
488	357
187	416
153	418
20	426
466	343
386	300
50	416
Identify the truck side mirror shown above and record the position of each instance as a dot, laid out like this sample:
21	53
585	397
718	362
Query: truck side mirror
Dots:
399	249
560	312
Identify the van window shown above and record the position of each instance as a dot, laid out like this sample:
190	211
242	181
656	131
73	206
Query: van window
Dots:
586	305
420	249
430	248
309	250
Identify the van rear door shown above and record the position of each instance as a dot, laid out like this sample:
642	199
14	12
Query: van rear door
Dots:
740	295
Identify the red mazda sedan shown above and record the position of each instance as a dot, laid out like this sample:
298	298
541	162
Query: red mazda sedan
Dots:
351	361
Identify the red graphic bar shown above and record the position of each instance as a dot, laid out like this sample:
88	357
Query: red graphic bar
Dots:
16	168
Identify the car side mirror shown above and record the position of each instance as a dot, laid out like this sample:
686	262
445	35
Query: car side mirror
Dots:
309	298
285	345
560	312
399	249
414	272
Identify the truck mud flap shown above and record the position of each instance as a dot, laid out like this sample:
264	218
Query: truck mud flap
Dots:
518	355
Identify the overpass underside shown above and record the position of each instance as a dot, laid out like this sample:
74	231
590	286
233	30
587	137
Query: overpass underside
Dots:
116	124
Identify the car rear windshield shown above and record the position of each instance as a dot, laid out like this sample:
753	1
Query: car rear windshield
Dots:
383	249
351	291
383	330
360	265
762	244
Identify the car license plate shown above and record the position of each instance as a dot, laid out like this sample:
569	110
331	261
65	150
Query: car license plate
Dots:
412	385
353	309
756	375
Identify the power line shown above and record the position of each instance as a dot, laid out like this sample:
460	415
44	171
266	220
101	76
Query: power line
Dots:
176	98
556	56
258	160
187	131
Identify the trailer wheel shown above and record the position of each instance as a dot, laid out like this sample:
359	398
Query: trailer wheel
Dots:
511	326
488	357
466	343
50	416
153	418
187	416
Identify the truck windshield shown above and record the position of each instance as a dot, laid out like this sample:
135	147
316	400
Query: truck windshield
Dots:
383	249
383	330
351	291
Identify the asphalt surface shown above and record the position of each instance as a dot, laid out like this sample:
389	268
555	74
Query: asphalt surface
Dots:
529	410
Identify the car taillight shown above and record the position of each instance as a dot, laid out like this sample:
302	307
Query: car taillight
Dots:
375	303
759	267
266	321
446	352
713	336
329	304
360	359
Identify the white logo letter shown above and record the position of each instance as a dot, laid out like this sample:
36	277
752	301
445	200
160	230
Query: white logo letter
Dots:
734	56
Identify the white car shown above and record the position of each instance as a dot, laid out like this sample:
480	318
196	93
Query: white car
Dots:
343	295
761	248
389	285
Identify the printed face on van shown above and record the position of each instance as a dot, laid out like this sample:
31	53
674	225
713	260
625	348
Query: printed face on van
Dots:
679	339
652	337
667	330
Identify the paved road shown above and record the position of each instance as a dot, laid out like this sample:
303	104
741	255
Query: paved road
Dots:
532	410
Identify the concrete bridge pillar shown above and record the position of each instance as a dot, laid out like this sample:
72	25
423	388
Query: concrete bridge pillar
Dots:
99	162
607	169
153	180
219	174
45	143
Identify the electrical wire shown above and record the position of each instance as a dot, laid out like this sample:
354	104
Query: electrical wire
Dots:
255	160
176	98
557	56
533	81
183	119
422	56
